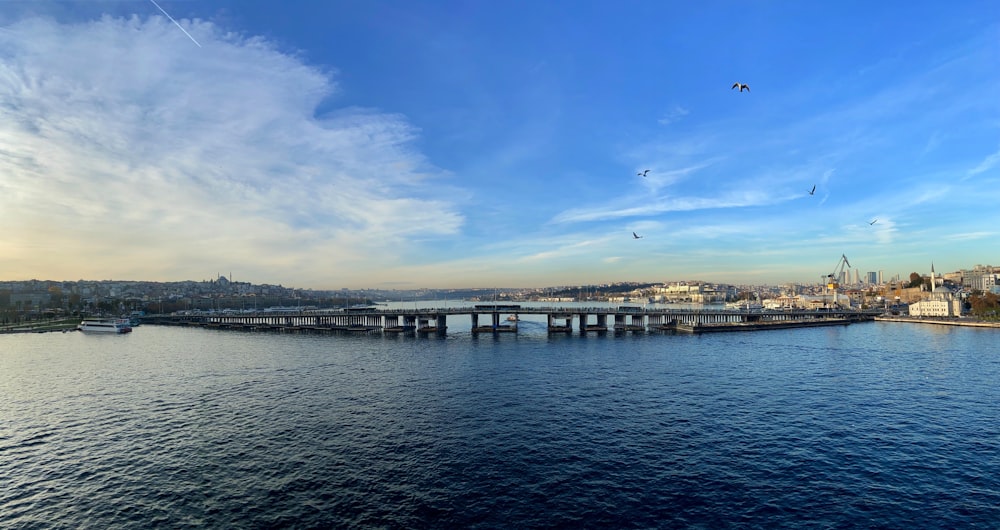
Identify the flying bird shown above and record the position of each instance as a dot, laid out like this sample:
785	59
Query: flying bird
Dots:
873	221
812	191
742	86
643	174
636	236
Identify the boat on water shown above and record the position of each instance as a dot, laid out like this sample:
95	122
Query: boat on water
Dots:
105	325
513	318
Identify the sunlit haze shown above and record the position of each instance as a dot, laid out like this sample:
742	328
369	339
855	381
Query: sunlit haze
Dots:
404	144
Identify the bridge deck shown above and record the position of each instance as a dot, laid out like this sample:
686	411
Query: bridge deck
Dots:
560	319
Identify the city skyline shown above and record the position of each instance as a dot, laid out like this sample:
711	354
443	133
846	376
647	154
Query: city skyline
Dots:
845	276
465	144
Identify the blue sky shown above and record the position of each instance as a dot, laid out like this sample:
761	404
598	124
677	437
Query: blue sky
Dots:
405	144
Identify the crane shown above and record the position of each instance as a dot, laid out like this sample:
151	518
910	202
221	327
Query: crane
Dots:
833	279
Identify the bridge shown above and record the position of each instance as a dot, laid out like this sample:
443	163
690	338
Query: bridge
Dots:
504	318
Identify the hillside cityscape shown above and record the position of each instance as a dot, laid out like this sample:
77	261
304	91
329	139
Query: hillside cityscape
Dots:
954	292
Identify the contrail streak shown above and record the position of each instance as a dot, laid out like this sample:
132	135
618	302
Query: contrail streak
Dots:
175	22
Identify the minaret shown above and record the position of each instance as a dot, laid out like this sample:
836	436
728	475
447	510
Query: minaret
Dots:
932	278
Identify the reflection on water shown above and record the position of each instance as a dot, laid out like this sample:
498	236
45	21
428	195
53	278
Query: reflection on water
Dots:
874	424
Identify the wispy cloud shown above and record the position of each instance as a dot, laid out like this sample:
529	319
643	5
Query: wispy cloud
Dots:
657	178
564	250
987	164
932	144
120	140
970	236
880	228
673	114
637	206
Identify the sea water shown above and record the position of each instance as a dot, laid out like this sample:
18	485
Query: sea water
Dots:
874	425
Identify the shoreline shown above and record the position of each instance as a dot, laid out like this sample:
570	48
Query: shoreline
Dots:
39	329
941	321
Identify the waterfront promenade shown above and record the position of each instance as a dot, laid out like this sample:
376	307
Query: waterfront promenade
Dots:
941	321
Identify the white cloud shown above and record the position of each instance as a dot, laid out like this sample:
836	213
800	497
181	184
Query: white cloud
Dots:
969	236
987	164
120	138
563	250
635	206
878	229
657	179
673	114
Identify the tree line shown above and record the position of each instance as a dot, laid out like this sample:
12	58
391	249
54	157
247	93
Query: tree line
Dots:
985	306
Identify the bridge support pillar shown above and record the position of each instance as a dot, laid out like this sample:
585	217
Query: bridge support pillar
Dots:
555	327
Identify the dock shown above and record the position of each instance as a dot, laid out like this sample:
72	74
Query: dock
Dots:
764	325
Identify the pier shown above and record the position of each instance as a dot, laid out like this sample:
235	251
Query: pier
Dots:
504	318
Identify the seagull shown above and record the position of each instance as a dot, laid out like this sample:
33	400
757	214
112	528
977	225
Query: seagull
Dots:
643	174
636	236
812	190
742	86
873	221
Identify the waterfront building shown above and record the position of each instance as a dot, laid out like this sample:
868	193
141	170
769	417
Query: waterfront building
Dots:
940	307
781	302
940	303
804	301
691	292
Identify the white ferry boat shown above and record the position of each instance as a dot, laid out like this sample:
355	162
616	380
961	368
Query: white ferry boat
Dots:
105	325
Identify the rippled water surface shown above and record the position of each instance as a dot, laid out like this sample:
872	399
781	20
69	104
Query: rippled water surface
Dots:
871	425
